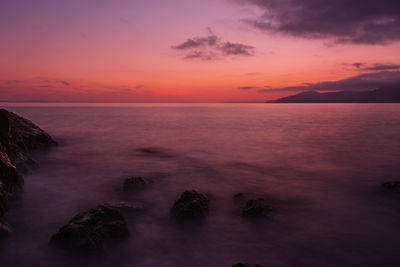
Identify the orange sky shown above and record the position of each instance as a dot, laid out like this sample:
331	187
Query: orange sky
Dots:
122	51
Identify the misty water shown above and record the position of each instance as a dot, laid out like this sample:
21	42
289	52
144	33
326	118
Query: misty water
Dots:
319	166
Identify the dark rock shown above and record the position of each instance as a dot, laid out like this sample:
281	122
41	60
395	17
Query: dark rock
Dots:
91	231
18	135
190	205
9	176
126	207
392	186
5	228
3	201
245	265
135	182
239	198
256	208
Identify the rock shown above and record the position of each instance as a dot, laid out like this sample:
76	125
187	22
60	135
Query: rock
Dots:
190	205
135	182
91	231
245	265
256	208
9	175
126	207
392	186
239	198
3	201
18	135
5	229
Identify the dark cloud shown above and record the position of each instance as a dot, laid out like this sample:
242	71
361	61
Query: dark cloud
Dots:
198	42
247	87
367	81
380	67
229	48
211	47
343	21
358	64
203	55
374	67
63	82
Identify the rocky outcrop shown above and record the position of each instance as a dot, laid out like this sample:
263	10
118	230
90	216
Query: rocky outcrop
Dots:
10	178
91	231
392	186
191	205
3	200
256	208
19	135
135	183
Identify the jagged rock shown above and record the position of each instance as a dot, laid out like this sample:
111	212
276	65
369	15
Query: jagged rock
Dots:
392	186
245	265
9	175
18	135
91	231
256	208
190	205
135	182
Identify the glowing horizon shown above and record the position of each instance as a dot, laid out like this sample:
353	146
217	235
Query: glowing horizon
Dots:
179	51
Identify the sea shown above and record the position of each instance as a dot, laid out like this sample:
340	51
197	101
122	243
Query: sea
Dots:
319	166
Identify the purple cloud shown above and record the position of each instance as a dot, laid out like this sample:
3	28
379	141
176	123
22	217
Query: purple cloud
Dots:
343	21
211	47
367	81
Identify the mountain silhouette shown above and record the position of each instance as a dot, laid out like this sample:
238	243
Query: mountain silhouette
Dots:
381	95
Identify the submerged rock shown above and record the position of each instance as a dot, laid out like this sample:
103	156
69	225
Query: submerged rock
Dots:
392	186
135	182
126	207
92	230
190	205
245	265
256	208
239	198
18	135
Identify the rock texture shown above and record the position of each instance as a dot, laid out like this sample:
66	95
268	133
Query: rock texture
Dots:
91	231
10	178
191	205
19	135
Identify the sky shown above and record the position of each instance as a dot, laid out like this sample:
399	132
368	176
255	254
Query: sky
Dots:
194	51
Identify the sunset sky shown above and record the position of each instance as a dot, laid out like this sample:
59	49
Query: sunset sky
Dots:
194	51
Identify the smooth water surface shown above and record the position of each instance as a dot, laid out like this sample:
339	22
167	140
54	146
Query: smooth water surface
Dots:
319	165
